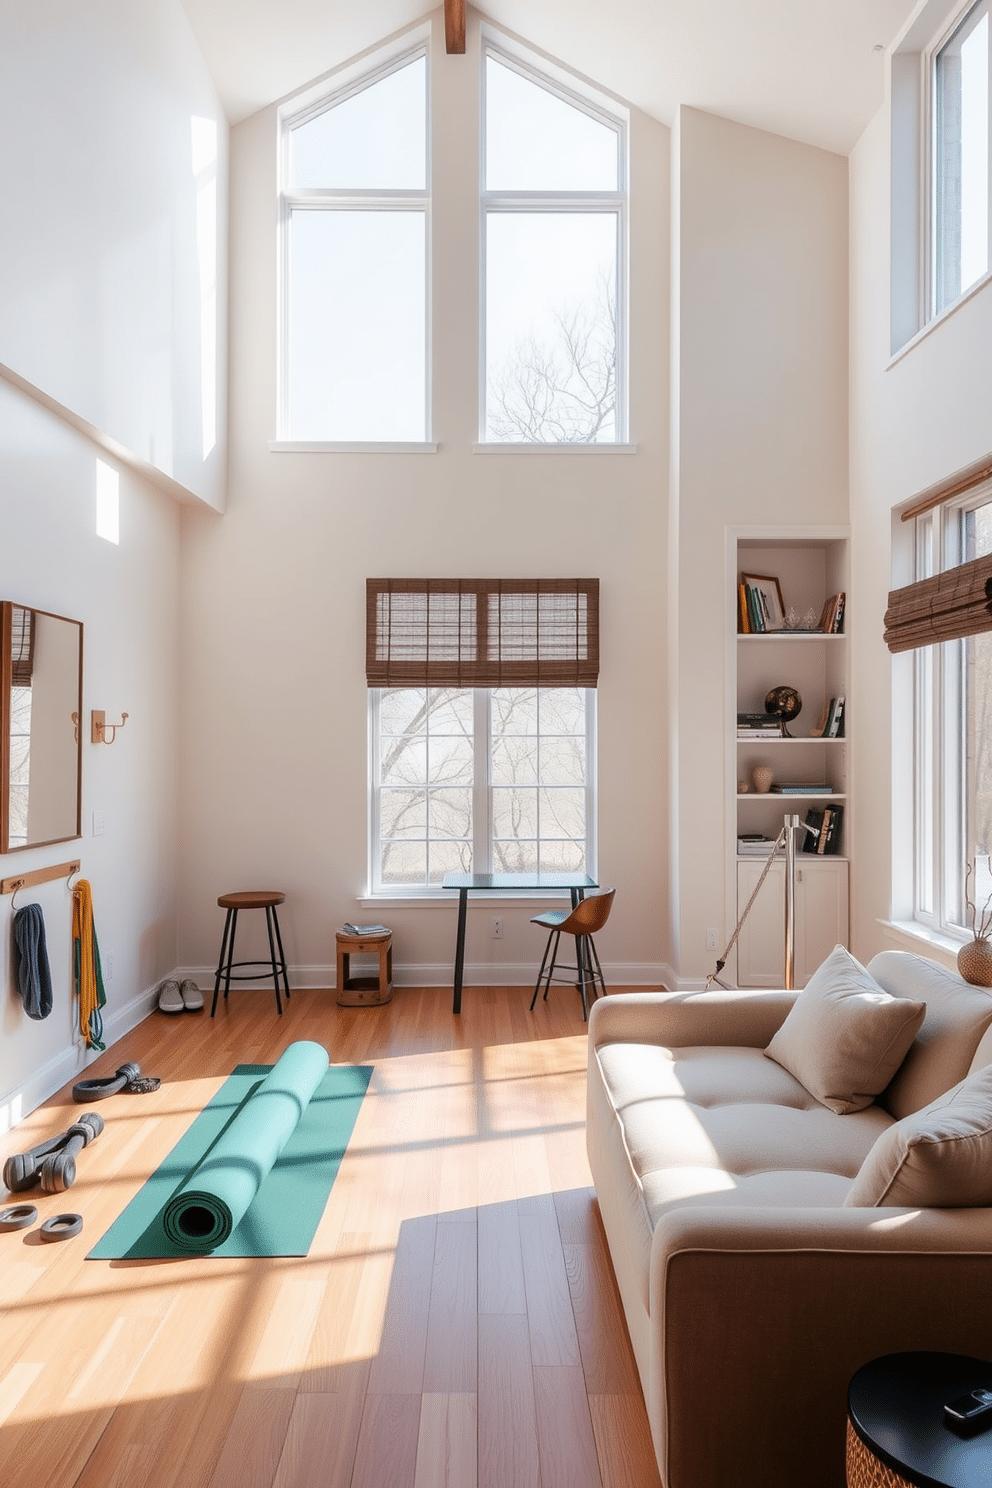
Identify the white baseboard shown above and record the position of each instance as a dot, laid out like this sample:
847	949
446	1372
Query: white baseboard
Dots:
439	974
71	1063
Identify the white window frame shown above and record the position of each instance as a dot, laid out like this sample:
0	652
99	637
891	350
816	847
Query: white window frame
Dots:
482	797
913	313
941	777
933	122
556	81
345	84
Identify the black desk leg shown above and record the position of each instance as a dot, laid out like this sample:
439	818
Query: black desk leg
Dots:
456	1006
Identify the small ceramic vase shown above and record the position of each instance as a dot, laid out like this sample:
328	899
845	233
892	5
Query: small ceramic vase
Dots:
762	777
742	787
975	962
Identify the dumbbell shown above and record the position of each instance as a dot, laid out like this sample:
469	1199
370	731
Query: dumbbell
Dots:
58	1171
22	1170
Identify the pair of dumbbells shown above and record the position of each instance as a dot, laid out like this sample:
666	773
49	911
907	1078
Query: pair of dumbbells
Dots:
53	1163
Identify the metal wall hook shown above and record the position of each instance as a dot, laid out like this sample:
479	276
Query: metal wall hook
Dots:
101	729
13	898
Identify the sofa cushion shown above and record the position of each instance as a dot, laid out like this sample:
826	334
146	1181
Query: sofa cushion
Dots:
713	1126
937	1158
845	1036
957	1016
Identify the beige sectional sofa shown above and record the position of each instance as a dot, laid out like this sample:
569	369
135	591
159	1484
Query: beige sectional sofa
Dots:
757	1269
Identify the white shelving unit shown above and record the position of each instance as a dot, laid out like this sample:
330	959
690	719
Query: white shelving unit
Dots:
810	565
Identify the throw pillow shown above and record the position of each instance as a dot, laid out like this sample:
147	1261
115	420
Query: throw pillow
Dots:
937	1158
845	1038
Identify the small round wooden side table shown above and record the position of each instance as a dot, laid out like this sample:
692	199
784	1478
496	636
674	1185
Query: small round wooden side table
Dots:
896	1436
364	991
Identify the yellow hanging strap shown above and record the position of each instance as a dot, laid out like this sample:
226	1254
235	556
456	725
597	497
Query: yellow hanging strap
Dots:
87	974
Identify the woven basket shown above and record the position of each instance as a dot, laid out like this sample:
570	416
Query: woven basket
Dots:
975	962
864	1470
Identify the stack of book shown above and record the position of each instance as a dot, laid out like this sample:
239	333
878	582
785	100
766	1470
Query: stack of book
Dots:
753	617
830	724
823	830
803	788
832	618
759	726
756	845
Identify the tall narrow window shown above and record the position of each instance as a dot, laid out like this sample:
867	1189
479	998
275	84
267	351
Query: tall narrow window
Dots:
355	242
961	156
554	224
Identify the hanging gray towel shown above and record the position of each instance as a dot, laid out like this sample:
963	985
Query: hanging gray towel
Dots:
34	976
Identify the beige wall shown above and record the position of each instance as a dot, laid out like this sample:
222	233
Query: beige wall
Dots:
760	399
914	419
273	595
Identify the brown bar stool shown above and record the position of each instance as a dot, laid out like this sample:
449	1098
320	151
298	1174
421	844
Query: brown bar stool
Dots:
266	899
583	922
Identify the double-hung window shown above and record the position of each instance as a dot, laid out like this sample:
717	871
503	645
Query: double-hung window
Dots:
482	728
952	698
354	210
554	224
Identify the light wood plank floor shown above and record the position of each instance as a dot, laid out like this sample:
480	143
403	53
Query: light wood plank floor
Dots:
455	1323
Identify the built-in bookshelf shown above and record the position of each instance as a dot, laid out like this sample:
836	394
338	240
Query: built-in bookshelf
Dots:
791	608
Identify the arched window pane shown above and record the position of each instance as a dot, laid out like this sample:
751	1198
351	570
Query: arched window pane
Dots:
375	140
535	141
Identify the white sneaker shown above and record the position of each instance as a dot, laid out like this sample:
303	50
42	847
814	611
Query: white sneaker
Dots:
170	998
192	997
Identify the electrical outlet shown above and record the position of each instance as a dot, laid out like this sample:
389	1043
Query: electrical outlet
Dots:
108	965
497	928
99	823
712	940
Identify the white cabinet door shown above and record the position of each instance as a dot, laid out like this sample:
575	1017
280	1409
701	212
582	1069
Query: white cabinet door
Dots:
821	919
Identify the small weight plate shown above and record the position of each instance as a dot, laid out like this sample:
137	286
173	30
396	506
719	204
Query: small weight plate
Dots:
18	1217
61	1227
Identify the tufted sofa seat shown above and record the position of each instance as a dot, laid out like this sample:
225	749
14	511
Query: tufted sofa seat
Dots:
752	1293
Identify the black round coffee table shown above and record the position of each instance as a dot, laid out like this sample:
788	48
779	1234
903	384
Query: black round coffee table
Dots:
896	1431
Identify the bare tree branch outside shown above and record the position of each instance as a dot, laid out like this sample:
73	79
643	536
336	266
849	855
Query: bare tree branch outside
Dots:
560	389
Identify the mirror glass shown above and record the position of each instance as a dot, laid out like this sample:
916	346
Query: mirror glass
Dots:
41	677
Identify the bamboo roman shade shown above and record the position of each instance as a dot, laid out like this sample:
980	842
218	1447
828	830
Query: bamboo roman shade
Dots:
951	604
482	632
955	603
21	646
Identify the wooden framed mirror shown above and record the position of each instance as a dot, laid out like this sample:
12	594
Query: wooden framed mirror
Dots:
41	688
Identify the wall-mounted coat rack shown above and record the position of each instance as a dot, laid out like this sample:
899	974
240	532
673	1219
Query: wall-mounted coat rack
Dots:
102	732
39	876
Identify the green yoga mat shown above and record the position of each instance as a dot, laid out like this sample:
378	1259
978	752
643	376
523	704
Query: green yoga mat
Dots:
260	1158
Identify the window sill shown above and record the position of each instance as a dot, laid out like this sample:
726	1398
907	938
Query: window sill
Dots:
348	447
448	899
938	320
554	449
927	939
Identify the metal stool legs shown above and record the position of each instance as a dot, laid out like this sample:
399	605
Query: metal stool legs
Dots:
226	963
590	973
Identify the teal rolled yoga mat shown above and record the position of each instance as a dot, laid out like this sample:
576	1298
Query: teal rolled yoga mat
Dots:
210	1206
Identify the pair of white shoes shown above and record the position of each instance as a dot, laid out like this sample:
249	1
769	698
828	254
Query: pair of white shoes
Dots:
180	997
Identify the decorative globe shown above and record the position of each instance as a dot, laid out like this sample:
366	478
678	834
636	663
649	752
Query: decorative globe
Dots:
784	702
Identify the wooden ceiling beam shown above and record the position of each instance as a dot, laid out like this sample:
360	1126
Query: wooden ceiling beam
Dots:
454	27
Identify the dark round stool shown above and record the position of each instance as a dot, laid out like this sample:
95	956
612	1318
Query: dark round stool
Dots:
897	1436
266	899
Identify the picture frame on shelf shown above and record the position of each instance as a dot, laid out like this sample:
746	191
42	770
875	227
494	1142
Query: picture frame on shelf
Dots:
768	592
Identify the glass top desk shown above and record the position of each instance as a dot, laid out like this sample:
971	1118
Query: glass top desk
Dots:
504	883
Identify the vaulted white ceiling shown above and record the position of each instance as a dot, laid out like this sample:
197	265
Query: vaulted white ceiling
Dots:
808	69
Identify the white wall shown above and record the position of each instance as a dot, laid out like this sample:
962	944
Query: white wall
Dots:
101	313
759	430
273	595
125	594
914	420
112	258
